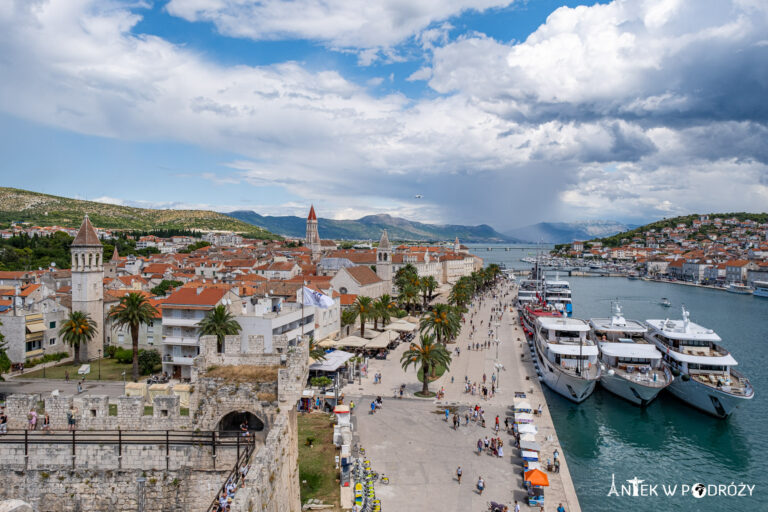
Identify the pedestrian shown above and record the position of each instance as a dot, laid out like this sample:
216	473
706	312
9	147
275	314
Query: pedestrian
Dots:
379	377
79	387
497	422
540	409
561	508
517	506
47	424
66	375
32	417
506	423
466	418
3	421
71	420
480	486
373	407
555	454
447	412
458	474
479	446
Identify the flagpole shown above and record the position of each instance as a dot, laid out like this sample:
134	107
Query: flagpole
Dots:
302	311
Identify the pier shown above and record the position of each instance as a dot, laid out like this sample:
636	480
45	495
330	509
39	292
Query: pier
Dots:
409	440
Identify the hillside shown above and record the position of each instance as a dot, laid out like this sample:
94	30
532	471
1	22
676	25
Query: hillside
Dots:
616	240
47	210
565	232
370	227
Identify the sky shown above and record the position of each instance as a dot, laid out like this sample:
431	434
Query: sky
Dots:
494	111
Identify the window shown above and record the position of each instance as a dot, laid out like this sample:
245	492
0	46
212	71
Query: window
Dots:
52	325
34	345
150	340
120	338
52	341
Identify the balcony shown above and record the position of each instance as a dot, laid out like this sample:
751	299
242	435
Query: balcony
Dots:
180	340
180	322
179	360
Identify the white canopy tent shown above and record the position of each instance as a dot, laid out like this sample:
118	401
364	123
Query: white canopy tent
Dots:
332	362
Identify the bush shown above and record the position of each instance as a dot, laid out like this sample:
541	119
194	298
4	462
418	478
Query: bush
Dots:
124	355
148	360
47	358
321	382
110	351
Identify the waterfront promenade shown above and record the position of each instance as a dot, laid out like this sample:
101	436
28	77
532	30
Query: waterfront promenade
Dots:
410	441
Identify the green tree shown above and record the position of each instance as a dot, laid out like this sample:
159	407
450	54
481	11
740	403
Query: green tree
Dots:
427	286
348	317
5	361
164	286
427	355
77	330
148	361
444	321
406	275
134	310
409	295
219	322
363	308
316	352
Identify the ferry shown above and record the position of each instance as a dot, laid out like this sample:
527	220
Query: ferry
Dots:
739	288
557	293
567	358
630	367
528	292
703	370
761	289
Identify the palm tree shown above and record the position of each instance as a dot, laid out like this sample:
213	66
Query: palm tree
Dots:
428	285
408	295
443	321
428	355
133	311
363	308
406	274
385	308
316	352
219	322
348	317
77	330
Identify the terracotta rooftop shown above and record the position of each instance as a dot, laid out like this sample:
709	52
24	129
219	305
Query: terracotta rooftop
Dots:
363	275
86	236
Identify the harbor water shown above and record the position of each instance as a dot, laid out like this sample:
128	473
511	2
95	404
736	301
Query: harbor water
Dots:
667	444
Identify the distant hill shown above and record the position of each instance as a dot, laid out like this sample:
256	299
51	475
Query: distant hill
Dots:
615	240
47	210
370	227
566	232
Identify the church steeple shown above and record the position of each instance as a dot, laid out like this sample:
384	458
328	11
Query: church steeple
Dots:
86	235
313	237
115	255
384	261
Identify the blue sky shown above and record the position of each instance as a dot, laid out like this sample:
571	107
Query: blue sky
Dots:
497	112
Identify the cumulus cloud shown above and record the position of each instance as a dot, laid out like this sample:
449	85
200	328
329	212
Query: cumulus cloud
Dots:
604	110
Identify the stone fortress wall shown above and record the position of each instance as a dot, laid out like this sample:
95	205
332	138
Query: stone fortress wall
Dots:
102	480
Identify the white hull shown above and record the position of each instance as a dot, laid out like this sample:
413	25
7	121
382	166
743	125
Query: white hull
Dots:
705	398
573	388
634	392
760	292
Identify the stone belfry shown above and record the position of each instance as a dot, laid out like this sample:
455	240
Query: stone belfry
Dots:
384	261
88	283
313	237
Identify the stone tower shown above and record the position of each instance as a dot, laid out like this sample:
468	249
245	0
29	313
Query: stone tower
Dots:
88	283
313	237
456	245
110	269
384	262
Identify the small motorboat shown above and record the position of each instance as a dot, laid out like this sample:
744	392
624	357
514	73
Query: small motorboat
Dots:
665	302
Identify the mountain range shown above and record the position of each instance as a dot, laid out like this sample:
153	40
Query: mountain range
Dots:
566	232
370	228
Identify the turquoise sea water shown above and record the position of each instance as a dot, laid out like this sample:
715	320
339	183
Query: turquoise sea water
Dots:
668	442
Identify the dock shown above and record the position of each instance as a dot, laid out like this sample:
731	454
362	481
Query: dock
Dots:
410	441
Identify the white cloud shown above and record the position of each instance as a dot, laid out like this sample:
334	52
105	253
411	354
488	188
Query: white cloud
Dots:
517	129
361	24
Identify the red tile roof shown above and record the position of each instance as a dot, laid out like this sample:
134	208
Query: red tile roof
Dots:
86	236
363	275
186	296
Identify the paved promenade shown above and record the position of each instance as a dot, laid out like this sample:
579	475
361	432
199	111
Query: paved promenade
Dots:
410	441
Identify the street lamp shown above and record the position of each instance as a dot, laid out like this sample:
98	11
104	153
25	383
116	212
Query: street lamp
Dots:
498	367
43	359
99	351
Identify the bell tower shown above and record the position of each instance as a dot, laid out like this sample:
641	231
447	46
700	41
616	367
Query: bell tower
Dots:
313	237
88	283
384	261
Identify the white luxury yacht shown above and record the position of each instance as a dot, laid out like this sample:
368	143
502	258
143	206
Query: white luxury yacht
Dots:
703	370
558	294
630	366
528	291
567	357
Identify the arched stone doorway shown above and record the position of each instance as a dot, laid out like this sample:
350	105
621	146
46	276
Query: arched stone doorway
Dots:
230	423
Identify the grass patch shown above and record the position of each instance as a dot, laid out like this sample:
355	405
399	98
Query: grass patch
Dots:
317	475
149	410
113	409
439	371
110	370
244	373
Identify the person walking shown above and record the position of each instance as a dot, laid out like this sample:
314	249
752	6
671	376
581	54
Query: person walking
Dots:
32	417
458	474
517	506
479	446
480	486
561	508
447	413
71	420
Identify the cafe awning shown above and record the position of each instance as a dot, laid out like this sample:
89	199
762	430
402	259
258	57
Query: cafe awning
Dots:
332	362
537	477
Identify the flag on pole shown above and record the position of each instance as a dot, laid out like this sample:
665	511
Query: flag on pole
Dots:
312	298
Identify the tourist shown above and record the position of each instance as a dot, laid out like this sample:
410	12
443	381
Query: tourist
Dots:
458	474
3	421
561	508
517	506
47	423
479	446
71	417
66	375
506	423
244	430
373	407
32	417
555	454
243	473
466	418
480	485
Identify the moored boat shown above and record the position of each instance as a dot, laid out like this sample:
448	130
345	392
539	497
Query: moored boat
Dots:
761	289
739	288
630	366
567	358
664	302
704	372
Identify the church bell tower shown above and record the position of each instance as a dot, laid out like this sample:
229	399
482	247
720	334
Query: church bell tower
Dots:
88	283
